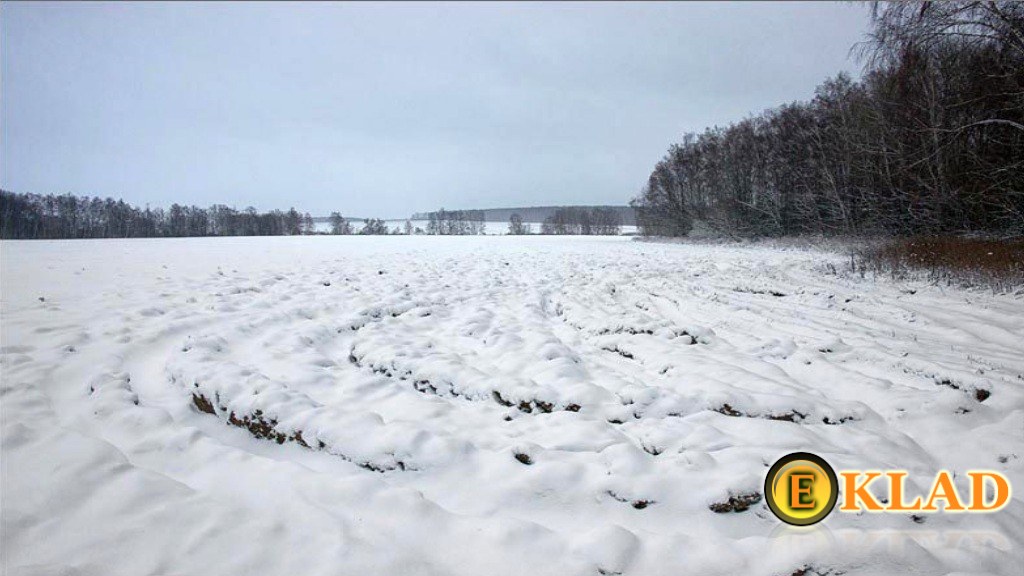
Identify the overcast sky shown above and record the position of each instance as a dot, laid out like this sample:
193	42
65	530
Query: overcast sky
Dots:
386	109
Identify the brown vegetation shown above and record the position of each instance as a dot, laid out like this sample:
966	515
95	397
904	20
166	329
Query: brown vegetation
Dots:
995	264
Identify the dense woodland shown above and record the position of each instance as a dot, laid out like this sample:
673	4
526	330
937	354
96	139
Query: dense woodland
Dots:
929	141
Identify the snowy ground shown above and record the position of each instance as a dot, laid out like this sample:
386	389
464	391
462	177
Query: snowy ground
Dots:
488	405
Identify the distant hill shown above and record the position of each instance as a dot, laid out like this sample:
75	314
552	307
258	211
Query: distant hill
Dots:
326	219
539	213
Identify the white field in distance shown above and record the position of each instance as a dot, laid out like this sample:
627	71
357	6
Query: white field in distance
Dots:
490	228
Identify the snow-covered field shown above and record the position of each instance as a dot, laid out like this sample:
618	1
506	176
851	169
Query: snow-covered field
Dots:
485	405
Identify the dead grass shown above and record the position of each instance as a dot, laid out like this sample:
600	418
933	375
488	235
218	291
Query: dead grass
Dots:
967	262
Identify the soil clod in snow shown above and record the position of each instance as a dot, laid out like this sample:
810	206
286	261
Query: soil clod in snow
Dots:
524	458
736	503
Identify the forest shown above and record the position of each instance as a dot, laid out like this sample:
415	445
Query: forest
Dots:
34	216
51	217
930	141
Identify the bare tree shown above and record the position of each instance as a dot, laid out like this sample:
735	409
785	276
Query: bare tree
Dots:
516	226
930	140
339	225
374	227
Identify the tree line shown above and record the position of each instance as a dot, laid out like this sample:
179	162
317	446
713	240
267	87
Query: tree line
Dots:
456	222
586	221
51	217
930	140
539	213
341	226
34	216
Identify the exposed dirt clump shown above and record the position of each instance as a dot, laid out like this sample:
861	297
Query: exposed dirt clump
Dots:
624	330
203	404
980	394
791	416
447	389
837	421
532	405
775	293
639	504
265	428
620	352
736	503
258	426
808	570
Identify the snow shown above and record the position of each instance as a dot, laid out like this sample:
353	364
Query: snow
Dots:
490	228
485	405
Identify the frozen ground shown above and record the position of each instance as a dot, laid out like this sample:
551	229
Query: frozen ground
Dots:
491	405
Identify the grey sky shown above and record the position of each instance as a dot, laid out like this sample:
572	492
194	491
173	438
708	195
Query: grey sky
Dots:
386	109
